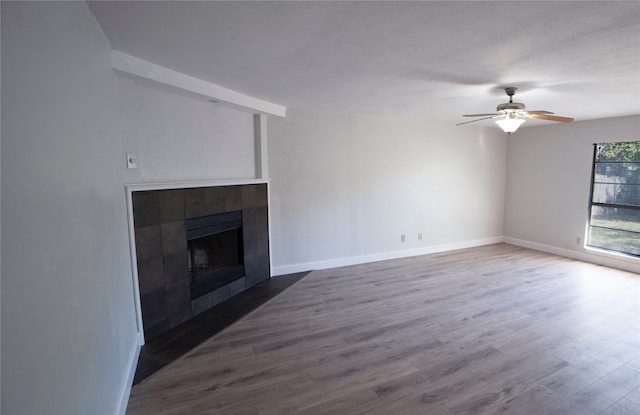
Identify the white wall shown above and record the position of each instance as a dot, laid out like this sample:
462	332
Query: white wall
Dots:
179	136
346	186
68	323
548	179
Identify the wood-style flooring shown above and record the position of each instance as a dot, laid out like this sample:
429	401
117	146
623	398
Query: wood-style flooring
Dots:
164	349
497	329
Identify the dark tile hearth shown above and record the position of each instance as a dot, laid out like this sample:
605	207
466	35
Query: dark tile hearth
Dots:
172	344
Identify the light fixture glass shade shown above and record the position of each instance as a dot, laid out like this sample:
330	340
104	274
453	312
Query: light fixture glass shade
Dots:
510	124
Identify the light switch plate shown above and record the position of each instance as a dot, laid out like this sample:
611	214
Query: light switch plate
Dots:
132	161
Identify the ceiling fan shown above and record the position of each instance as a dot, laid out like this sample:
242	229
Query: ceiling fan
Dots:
513	114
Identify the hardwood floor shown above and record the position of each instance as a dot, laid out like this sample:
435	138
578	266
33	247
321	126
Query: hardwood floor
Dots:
169	346
490	330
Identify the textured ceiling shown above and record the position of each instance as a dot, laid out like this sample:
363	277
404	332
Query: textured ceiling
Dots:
577	59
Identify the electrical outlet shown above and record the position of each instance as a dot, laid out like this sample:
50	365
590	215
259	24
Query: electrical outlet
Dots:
403	237
578	240
419	236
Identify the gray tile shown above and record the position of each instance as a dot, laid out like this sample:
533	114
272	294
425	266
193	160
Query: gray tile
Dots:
251	265
195	203
178	300
152	331
263	267
262	216
233	198
171	205
262	232
237	286
201	304
248	193
215	200
261	195
145	208
150	275
250	219
174	238
176	268
249	231
154	307
148	242
221	294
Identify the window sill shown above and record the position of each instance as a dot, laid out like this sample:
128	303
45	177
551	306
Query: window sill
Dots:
612	255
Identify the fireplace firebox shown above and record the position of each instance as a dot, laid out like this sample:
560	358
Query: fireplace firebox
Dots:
216	253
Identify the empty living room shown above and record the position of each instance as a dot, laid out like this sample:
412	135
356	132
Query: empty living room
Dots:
320	207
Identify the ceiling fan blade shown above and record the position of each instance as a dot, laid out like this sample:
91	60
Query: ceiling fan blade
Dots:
549	117
480	119
540	112
480	115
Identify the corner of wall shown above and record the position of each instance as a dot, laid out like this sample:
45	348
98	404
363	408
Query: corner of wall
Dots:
127	382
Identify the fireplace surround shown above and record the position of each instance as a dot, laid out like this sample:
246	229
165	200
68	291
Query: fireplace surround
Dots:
177	232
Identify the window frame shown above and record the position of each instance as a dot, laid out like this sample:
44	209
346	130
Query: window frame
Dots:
594	162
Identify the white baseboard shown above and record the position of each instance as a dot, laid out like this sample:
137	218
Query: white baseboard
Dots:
588	255
593	256
381	256
132	363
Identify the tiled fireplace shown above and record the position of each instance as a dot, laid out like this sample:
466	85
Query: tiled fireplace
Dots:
197	247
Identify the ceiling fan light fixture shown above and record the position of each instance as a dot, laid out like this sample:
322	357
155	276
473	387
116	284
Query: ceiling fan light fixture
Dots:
511	114
510	123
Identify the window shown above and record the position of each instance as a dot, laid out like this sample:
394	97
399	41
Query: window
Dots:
614	214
